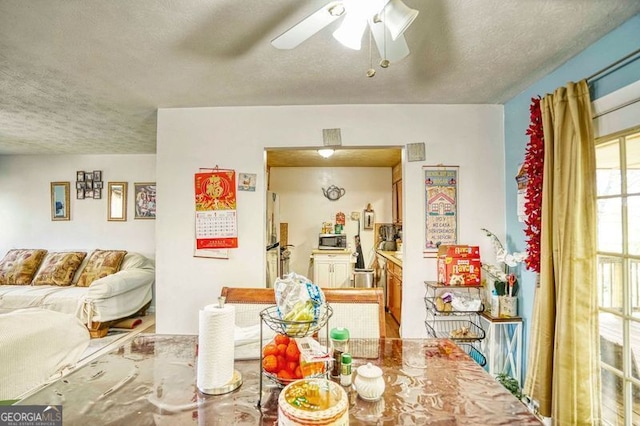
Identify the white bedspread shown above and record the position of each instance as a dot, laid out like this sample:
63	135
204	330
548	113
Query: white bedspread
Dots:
36	344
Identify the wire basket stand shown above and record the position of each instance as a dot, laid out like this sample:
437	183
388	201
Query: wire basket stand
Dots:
270	316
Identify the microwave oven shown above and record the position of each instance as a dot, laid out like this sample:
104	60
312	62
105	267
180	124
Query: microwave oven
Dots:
332	241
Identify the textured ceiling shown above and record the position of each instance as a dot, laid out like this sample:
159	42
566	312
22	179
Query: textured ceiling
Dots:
87	76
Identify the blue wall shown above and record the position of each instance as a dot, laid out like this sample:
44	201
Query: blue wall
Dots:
609	49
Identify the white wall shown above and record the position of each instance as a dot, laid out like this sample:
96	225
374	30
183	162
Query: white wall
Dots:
304	207
470	136
25	204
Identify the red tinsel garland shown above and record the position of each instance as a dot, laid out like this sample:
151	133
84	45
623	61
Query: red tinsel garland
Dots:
534	167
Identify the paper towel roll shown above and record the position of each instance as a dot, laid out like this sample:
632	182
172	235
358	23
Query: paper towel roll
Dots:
215	346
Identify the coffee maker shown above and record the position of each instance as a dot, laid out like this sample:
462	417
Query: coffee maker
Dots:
388	235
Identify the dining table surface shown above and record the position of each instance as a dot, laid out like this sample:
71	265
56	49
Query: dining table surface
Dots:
151	380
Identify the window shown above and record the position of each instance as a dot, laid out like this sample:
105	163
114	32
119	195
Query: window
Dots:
618	186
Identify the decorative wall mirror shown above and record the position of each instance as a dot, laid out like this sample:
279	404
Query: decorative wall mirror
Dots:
117	201
60	200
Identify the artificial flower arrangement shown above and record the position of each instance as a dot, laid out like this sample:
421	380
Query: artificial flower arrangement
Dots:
505	282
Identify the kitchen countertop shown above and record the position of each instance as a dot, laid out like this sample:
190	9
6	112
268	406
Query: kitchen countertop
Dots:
391	256
325	251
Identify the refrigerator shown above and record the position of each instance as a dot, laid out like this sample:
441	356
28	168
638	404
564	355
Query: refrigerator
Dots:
273	238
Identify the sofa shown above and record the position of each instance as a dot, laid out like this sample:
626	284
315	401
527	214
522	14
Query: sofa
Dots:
99	288
37	346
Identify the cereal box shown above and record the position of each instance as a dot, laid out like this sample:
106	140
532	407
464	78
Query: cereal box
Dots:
459	265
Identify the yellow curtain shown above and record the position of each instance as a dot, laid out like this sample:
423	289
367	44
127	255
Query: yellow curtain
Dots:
564	358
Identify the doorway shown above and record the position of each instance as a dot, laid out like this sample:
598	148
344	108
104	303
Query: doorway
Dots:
299	176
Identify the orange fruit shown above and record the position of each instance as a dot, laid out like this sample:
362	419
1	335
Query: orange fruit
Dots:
292	352
270	363
281	339
298	373
282	349
269	349
291	366
282	363
284	374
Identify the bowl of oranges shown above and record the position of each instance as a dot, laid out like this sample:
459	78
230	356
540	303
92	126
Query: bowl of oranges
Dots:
282	361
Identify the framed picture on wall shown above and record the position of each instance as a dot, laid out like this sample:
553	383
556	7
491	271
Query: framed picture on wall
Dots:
80	194
60	200
79	175
145	198
97	175
97	193
368	219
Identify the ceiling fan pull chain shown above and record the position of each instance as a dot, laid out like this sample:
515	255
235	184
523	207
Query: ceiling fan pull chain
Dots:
384	63
371	71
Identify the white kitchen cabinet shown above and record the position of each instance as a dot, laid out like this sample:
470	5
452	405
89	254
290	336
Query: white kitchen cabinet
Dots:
332	269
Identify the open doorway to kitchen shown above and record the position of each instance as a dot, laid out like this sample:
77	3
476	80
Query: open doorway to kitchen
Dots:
356	193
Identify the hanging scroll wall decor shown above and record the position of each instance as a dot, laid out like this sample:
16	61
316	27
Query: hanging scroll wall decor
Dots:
441	207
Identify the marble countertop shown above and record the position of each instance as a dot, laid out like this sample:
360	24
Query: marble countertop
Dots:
325	251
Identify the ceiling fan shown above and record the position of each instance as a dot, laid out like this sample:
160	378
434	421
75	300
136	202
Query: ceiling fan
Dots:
387	20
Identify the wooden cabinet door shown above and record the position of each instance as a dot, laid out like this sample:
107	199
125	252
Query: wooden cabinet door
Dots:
390	293
398	202
394	203
395	298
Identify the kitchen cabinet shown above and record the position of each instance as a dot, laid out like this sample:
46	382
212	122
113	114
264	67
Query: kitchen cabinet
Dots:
396	194
394	290
332	269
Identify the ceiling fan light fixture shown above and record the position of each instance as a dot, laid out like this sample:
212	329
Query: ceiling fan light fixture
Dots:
397	16
325	153
336	10
350	32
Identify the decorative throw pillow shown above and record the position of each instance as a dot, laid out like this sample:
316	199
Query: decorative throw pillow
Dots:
59	268
20	265
101	263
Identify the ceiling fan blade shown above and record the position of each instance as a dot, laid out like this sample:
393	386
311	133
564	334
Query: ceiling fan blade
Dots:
391	50
308	26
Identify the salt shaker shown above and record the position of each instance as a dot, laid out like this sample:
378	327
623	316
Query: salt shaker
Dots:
345	367
369	382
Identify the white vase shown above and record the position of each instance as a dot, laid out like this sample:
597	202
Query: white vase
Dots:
508	306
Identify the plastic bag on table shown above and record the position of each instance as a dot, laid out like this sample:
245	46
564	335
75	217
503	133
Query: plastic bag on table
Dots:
297	298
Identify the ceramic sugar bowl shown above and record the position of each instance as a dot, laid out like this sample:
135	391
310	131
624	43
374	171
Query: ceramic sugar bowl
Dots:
369	382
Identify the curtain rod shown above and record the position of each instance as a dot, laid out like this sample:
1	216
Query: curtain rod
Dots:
616	63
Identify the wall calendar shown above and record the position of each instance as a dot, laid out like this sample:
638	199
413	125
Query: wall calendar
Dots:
216	213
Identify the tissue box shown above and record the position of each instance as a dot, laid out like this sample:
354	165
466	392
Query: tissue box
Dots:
459	265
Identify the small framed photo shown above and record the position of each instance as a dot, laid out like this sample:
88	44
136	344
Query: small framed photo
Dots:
79	175
97	184
89	184
97	175
97	194
368	219
80	194
88	176
145	199
88	193
79	184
